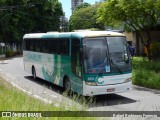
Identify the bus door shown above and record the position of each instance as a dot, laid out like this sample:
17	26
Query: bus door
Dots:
76	83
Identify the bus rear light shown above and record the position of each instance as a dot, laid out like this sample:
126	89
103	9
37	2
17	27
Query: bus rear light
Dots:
91	83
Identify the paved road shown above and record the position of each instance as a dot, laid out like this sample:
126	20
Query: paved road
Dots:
137	99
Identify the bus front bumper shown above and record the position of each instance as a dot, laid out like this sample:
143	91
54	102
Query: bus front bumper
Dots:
108	89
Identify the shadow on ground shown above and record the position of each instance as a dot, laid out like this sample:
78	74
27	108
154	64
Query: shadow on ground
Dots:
95	101
3	63
46	84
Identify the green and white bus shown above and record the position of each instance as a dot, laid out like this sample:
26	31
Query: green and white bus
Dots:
89	63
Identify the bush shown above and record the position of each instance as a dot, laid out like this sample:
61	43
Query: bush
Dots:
9	53
146	73
155	49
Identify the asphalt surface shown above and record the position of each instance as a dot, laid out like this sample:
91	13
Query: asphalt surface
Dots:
138	99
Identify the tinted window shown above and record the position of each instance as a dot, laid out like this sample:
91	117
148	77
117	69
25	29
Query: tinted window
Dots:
52	46
33	45
24	44
38	43
28	45
44	46
75	58
64	46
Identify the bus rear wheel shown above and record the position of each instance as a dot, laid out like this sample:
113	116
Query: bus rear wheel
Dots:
34	73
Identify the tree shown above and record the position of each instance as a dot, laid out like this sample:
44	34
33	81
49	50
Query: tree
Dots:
28	16
44	15
82	5
9	21
85	18
137	15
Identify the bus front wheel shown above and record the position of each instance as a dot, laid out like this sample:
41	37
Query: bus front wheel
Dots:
34	73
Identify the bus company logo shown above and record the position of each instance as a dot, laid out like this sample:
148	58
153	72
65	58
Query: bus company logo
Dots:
97	80
49	65
34	57
6	114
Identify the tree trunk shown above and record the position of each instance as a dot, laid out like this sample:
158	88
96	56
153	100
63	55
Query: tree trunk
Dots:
139	38
148	44
137	43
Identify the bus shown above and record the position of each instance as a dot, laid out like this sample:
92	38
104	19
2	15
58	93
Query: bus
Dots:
89	63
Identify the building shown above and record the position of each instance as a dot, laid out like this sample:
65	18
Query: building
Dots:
100	1
63	24
75	3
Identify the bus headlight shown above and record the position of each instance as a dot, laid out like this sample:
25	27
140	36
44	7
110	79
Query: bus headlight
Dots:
91	83
128	79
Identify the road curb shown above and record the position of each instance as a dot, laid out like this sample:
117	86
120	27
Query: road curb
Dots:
140	88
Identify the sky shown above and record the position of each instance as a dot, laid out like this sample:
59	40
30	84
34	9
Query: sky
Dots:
66	4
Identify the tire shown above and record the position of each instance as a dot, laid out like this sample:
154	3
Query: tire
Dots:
34	73
67	85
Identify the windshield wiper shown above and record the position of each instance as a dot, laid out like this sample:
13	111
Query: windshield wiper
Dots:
120	71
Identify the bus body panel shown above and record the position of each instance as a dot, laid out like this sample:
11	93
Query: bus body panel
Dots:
76	84
52	68
102	90
108	79
47	66
110	88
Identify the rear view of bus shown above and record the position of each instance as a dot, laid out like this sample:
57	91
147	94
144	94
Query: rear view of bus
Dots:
107	64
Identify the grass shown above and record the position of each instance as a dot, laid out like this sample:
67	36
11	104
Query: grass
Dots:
15	100
12	99
146	73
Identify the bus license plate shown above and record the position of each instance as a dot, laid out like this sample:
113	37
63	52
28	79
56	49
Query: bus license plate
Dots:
110	89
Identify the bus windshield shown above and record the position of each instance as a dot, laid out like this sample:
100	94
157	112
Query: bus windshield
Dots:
106	55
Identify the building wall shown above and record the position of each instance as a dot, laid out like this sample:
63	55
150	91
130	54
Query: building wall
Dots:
155	36
75	3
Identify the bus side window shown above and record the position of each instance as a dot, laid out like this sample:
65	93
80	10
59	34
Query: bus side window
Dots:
64	46
50	44
55	46
24	44
37	45
75	57
28	45
44	46
31	45
34	45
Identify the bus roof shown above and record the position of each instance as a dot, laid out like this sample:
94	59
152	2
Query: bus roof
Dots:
82	34
96	34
